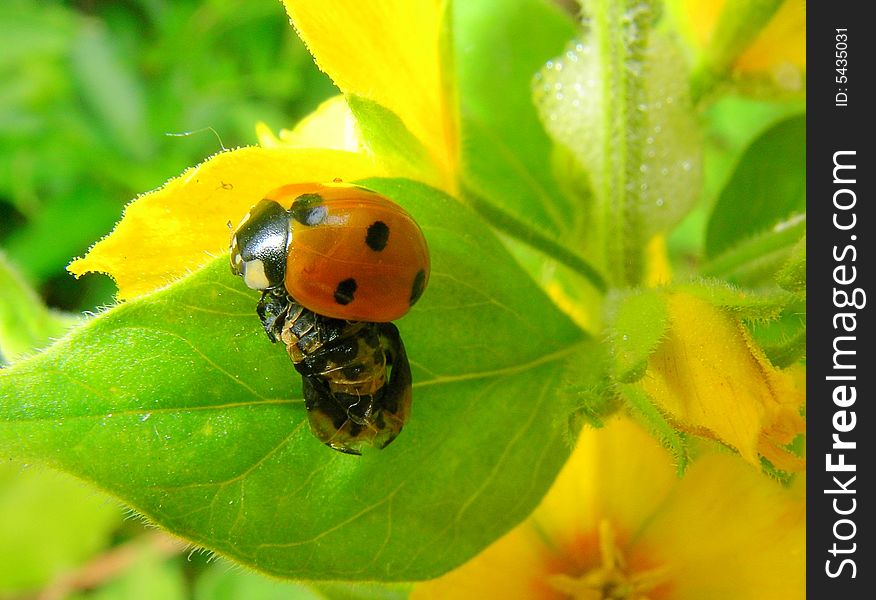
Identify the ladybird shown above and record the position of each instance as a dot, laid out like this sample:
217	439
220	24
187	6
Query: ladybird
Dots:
335	264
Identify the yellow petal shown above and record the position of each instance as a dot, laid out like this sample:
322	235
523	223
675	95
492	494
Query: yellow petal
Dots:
782	41
331	125
167	233
388	51
779	50
729	533
511	569
698	17
618	474
266	136
786	424
713	380
566	301
603	479
658	271
617	512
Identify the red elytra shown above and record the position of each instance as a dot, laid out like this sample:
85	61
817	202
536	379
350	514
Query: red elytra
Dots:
353	254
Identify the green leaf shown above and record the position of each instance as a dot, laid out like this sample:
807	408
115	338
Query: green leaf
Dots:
388	137
637	324
49	524
177	403
732	124
499	46
25	323
766	196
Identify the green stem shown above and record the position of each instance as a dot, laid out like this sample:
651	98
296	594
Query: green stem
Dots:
524	232
620	33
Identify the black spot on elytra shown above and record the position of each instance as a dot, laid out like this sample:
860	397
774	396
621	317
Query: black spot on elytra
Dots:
377	236
345	290
417	287
309	209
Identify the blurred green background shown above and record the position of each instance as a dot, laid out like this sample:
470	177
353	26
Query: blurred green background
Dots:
93	97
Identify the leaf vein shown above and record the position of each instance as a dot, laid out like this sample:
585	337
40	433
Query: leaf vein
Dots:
502	371
337	526
199	352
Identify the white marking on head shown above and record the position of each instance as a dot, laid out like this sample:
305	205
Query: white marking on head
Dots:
236	258
243	221
254	275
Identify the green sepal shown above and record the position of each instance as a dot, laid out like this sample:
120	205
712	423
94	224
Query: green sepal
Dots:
637	323
751	305
792	277
643	408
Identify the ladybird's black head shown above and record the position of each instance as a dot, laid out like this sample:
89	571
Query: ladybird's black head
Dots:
259	245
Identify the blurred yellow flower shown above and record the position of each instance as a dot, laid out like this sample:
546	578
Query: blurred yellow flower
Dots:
619	524
756	39
332	125
782	43
388	53
658	271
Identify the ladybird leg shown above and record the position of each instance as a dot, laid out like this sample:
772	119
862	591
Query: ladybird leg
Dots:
395	404
272	309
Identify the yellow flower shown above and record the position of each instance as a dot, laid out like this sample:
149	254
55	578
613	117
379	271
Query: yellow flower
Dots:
387	54
781	41
390	52
748	40
658	271
711	379
619	524
781	45
332	125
